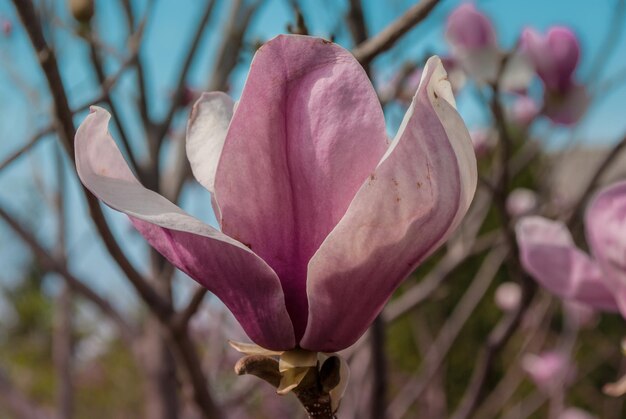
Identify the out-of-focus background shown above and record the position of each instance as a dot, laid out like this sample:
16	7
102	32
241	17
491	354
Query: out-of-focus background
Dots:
60	356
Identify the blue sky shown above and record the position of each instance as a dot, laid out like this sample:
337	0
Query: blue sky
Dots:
168	33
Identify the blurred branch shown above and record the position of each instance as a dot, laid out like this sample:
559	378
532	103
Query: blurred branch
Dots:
106	95
502	332
232	42
183	317
75	284
611	40
62	340
187	355
26	147
17	403
578	208
141	75
449	332
356	22
48	63
366	51
179	92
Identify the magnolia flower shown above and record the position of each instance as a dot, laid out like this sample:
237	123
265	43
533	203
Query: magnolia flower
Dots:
555	58
474	45
549	254
321	216
473	39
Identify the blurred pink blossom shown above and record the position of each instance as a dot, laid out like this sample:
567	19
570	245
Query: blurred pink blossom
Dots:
469	29
555	57
524	110
316	207
521	201
483	141
508	296
473	39
549	370
6	26
548	253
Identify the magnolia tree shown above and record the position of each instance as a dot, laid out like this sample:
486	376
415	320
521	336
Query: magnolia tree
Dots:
356	268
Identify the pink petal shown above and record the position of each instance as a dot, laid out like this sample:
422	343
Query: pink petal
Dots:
206	132
307	131
554	55
242	280
548	253
605	223
470	29
409	205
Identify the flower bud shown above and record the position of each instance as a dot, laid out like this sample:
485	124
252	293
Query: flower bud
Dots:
508	296
82	10
521	202
555	56
469	29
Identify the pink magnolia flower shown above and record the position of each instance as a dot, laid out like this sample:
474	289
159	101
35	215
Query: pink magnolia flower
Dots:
521	201
474	46
469	29
321	216
549	254
473	39
555	58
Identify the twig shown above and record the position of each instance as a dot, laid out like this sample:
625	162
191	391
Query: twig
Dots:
449	332
62	342
67	132
75	284
183	317
179	92
368	50
575	217
17	403
29	144
184	348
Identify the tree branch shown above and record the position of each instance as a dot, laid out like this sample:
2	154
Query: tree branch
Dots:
368	50
67	132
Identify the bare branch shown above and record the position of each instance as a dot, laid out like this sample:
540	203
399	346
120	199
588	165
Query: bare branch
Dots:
67	132
18	403
75	284
368	50
179	91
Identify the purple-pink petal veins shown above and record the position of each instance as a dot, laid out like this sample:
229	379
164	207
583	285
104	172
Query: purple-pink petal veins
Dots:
548	253
407	207
306	132
554	55
242	280
605	223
